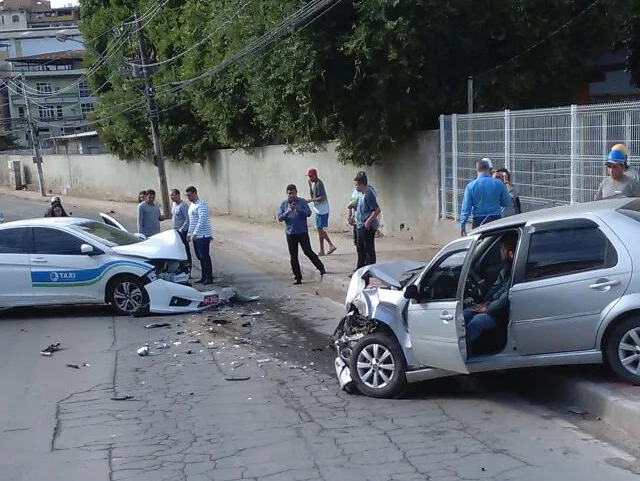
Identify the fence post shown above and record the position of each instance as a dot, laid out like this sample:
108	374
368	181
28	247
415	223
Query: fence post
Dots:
507	140
573	156
443	170
454	156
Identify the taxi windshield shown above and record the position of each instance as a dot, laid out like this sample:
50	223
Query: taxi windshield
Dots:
105	234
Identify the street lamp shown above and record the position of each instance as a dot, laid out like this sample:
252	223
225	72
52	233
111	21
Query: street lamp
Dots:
63	37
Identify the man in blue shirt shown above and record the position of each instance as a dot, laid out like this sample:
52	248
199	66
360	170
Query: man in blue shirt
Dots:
294	212
367	212
484	198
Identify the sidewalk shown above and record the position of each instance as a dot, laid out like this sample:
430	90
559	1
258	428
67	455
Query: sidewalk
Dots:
594	390
267	240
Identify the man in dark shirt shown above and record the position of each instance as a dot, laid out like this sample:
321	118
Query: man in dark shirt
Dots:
294	212
496	302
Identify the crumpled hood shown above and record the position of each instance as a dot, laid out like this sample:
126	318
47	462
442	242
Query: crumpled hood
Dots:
165	245
388	272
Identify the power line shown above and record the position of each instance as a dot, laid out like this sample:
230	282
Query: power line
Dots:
287	26
540	42
200	42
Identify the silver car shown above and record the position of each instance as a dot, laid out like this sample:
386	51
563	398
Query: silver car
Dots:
573	298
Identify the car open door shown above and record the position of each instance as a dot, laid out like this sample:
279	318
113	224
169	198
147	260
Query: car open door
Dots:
435	319
112	222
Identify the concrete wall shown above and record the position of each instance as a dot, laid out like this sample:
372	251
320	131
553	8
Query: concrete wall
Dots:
253	185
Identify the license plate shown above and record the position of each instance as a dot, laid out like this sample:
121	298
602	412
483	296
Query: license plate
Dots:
210	300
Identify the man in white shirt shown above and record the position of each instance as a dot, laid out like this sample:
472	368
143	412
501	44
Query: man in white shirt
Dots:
200	233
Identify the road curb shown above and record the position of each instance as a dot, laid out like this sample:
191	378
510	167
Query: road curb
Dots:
598	401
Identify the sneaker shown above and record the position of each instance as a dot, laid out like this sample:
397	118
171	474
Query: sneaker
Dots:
207	282
332	250
297	282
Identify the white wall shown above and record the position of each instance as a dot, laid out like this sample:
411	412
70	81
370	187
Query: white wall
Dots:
253	185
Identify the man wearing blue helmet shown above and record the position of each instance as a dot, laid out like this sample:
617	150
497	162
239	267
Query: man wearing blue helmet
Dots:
617	183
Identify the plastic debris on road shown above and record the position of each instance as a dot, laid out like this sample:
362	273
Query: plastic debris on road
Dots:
237	378
121	398
143	351
156	325
50	349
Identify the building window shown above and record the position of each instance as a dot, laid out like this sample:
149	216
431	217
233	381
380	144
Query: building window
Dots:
21	111
86	108
43	88
59	110
46	113
83	88
15	18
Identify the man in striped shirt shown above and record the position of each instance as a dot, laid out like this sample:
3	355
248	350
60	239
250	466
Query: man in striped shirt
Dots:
200	233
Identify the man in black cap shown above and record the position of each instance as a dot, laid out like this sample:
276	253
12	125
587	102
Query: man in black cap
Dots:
367	212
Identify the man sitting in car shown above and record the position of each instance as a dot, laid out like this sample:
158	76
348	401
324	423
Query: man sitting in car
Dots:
495	306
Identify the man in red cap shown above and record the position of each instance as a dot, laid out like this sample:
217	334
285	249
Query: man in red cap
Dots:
321	207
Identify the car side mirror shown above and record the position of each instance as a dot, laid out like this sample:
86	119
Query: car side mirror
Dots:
87	249
411	292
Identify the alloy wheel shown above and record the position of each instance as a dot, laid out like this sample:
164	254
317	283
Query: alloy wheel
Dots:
629	350
128	297
376	366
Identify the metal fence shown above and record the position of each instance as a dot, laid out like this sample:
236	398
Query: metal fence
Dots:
554	155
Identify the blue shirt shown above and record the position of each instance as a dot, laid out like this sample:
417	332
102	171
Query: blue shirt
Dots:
296	221
367	203
482	197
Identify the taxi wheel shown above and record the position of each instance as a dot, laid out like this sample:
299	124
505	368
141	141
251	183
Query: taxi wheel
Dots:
127	295
378	367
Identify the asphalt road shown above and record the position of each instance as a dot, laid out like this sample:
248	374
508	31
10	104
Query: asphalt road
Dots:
286	421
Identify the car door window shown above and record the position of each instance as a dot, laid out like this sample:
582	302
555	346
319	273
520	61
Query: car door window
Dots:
560	252
13	241
441	282
56	242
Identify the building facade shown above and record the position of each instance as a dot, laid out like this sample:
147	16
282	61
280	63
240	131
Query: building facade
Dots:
42	47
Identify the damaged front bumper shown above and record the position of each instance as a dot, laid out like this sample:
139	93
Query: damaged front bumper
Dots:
170	298
350	330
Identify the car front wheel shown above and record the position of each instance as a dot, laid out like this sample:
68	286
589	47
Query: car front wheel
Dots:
378	366
127	295
622	350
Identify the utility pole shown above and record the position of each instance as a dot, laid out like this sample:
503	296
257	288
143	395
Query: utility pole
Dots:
153	119
35	141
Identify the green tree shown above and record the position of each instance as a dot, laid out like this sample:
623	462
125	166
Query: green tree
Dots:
368	73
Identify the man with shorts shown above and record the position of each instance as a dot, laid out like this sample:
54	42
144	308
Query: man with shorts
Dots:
321	208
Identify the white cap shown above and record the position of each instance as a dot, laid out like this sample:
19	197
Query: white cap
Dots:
488	161
55	198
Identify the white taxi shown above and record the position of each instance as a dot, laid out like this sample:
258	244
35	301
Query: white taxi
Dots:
66	260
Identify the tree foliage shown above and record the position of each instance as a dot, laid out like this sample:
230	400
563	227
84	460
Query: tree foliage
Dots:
368	73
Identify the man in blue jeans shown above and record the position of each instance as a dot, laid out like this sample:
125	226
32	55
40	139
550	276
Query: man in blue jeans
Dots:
495	306
484	198
294	212
200	233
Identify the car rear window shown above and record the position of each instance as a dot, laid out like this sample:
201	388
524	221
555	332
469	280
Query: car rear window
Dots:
105	234
567	251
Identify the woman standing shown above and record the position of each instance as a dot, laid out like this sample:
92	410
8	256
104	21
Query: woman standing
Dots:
515	208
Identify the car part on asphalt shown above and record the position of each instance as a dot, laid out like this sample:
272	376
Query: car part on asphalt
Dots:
143	351
237	378
73	366
50	349
121	398
155	325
